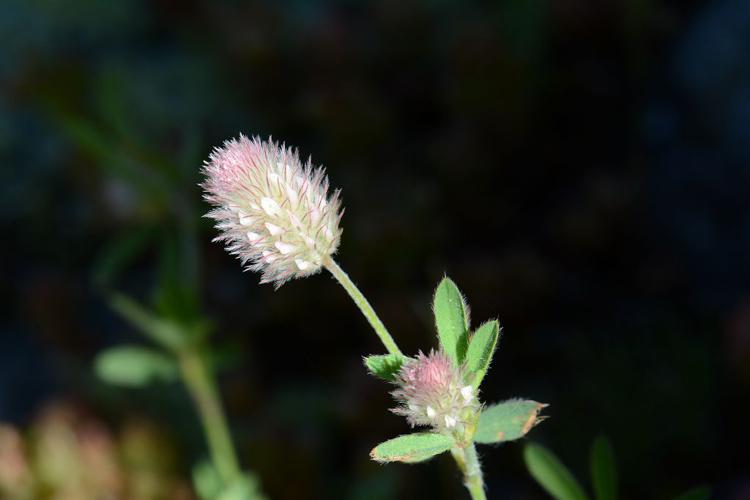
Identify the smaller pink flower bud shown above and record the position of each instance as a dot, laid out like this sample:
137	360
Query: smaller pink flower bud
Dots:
432	392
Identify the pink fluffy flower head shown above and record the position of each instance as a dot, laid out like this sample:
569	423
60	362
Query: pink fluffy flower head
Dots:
432	392
274	213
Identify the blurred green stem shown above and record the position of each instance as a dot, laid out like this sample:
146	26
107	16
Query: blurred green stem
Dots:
363	305
468	463
202	387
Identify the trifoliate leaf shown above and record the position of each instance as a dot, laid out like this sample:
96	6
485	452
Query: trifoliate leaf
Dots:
603	469
551	474
451	320
134	366
412	448
480	351
507	421
385	366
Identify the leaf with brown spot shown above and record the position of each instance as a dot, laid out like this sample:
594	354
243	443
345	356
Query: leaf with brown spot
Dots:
411	448
507	421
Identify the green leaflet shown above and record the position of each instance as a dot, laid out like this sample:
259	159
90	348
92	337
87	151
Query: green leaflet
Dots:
603	469
697	493
551	474
411	448
451	320
165	332
209	485
206	480
385	366
507	421
480	351
245	487
134	366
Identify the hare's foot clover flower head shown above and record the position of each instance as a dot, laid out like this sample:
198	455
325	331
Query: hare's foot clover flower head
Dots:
432	392
273	211
276	216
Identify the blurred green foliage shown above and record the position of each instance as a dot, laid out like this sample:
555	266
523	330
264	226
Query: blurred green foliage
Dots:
557	480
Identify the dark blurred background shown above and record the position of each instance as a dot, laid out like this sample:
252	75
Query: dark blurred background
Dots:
581	169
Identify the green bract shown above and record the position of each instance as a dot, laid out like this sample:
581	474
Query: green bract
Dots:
385	366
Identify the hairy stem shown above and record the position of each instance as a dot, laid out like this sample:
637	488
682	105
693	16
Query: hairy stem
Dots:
202	387
363	305
468	463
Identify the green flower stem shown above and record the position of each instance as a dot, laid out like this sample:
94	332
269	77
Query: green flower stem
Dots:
363	305
202	387
468	463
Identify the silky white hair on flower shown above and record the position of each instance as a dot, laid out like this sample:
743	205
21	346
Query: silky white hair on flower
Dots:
273	212
431	392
